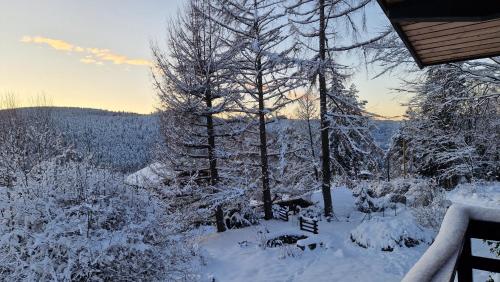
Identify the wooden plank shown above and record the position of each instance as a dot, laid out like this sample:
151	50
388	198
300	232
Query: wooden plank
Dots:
464	36
435	28
485	264
465	53
462	57
456	51
471	28
459	47
484	230
416	26
444	43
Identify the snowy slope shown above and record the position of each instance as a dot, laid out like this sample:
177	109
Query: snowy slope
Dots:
238	255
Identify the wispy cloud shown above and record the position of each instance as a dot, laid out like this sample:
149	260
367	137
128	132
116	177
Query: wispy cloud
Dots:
96	56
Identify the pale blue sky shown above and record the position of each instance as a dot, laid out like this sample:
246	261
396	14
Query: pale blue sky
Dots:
94	53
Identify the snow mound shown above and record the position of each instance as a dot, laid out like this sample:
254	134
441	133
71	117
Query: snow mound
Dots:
477	194
388	233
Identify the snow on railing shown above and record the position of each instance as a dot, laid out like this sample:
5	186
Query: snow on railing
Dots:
441	260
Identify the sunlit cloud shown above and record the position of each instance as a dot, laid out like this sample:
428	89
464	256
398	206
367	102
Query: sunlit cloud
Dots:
96	56
54	43
88	61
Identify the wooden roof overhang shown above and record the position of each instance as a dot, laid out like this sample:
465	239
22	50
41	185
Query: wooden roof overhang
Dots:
444	31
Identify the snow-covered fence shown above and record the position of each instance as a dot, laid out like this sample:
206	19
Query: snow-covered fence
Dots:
308	224
450	253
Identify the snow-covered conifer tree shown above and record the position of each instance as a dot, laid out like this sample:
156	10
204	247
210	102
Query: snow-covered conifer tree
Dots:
194	90
353	149
319	28
264	69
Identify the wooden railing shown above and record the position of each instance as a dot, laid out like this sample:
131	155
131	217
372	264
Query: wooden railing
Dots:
477	229
451	254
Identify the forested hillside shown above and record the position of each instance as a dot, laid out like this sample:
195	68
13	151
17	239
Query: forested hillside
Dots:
120	140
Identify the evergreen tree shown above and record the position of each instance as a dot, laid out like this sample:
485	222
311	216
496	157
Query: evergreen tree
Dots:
263	70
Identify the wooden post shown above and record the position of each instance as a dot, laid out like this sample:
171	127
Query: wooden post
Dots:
465	268
219	219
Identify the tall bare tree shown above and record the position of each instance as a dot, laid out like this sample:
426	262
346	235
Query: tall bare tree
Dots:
194	90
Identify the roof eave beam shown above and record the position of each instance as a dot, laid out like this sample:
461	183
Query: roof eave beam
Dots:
442	10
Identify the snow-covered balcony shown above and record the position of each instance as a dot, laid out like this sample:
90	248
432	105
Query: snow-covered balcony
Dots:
451	254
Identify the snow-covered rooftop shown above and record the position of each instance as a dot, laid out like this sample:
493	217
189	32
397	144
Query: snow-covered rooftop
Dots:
151	175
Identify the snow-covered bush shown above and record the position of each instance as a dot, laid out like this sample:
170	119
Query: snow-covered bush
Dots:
377	196
77	222
239	218
387	233
432	215
364	202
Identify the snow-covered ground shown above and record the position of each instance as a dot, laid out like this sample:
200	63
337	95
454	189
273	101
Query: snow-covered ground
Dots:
238	255
338	260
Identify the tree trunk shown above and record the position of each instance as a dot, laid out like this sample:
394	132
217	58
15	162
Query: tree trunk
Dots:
313	154
325	143
212	160
266	191
219	219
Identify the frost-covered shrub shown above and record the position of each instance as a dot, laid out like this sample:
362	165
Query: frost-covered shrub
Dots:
314	211
241	217
364	202
432	214
421	193
77	222
387	233
380	195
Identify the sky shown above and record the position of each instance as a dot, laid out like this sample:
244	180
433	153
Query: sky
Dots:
96	53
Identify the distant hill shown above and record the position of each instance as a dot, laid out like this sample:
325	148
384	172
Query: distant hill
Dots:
121	140
125	140
383	131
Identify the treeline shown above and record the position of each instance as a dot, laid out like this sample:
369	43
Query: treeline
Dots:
229	72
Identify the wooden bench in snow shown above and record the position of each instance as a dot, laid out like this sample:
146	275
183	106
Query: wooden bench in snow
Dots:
308	224
283	213
450	254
